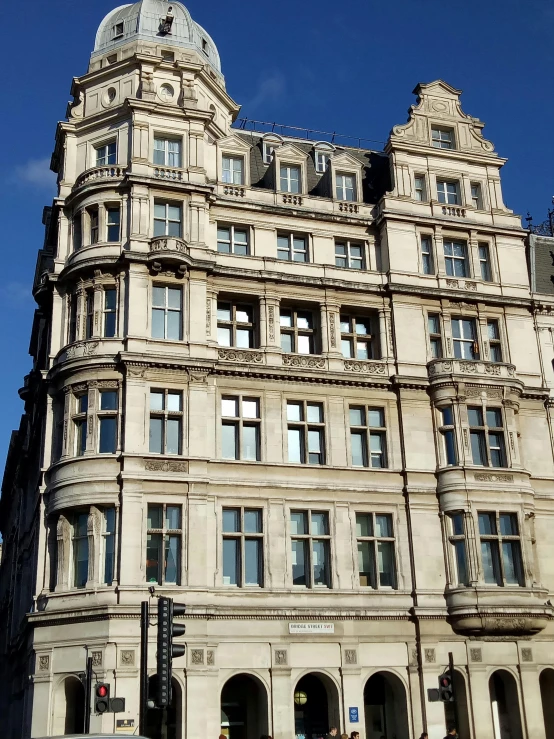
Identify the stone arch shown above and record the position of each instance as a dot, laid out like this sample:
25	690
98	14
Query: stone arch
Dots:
386	706
166	723
463	724
316	703
244	706
505	707
546	682
69	706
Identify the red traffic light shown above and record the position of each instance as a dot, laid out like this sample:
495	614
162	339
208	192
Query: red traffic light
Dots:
101	691
445	682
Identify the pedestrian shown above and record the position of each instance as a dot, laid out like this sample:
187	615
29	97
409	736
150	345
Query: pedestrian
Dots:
451	733
344	736
425	735
333	731
355	735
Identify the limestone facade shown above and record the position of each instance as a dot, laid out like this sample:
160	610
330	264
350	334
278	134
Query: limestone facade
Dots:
303	388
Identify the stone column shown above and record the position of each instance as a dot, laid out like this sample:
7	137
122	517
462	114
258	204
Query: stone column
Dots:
352	690
473	249
386	350
133	562
478	676
416	715
532	716
323	327
283	712
439	251
203	707
270	335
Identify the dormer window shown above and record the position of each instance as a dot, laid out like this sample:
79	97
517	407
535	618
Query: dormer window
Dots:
346	187
233	168
118	30
270	143
442	138
290	178
205	46
322	156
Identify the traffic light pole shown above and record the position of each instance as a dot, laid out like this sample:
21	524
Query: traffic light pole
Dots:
451	668
144	615
88	690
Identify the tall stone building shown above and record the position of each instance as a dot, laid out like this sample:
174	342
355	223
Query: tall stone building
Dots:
294	385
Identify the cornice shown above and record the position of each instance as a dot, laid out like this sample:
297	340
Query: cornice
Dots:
391	147
460	224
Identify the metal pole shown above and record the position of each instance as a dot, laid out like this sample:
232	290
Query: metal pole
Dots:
451	668
88	690
144	614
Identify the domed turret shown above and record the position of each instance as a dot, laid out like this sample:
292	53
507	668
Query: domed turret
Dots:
155	21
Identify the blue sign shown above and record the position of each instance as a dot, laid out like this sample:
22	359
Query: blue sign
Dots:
354	719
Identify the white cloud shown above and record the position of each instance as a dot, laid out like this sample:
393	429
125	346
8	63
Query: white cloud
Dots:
271	89
36	172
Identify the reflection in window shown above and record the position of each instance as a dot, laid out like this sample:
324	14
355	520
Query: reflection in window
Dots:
242	547
376	559
310	541
163	544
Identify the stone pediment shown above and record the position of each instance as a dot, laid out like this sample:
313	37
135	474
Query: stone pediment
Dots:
438	104
344	159
234	142
290	151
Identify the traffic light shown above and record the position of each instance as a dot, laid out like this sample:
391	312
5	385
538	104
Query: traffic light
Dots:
166	649
446	689
101	697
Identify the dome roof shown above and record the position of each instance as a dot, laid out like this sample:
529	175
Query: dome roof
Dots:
144	21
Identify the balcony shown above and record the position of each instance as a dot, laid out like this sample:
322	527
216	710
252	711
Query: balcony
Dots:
170	173
99	174
438	369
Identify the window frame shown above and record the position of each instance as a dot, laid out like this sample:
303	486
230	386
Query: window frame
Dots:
485	262
304	426
166	415
108	535
437	141
444	195
79	418
113	227
476	192
447	432
308	540
166	139
107	414
288	180
498	539
166	220
104	154
79	537
353	337
452	260
435	337
342	190
496	353
374	540
233	243
239	423
367	431
458	544
107	311
482	433
93	213
295	332
242	536
348	245
420	193
472	342
165	532
291	249
234	325
427	257
232	158
321	160
167	310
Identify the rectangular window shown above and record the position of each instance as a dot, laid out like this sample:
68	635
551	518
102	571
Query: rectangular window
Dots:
269	151
235	324
243	547
486	433
447	192
501	549
110	311
291	247
427	255
118	30
349	254
233	170
166	419
80	424
290	178
72	330
419	188
368	437
297	331
167	219
240	428
311	544
89	313
77	230
476	199
232	240
94	224
163	544
306	432
457	539
346	187
321	161
448	434
80	550
106	154
167	316
109	545
113	218
435	336
167	152
376	558
495	345
442	138
107	421
455	259
464	333
485	263
358	337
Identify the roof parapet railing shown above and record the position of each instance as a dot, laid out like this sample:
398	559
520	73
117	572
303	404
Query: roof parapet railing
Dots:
254	126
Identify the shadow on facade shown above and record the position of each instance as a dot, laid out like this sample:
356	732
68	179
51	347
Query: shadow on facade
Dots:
386	708
506	716
244	708
165	724
316	706
69	707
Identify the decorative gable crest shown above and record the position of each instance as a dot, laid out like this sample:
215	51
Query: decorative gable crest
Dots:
438	106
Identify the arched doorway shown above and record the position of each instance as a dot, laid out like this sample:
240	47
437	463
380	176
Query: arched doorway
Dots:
244	708
506	717
165	723
69	713
463	724
546	682
316	706
386	708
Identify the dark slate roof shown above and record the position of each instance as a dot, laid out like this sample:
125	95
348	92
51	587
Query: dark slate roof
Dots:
376	173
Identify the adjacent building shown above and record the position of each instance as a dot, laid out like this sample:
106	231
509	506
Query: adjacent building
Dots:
304	388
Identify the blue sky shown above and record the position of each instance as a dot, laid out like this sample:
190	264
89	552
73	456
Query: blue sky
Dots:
348	67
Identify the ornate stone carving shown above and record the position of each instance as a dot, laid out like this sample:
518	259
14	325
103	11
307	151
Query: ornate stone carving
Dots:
44	663
281	657
332	330
476	654
127	657
208	317
468	367
452	283
97	659
164	465
210	657
430	656
414	657
350	657
490	477
466	443
271	322
164	243
138	372
292	199
238	192
238	355
197	656
526	654
82	349
294	360
348	207
471	286
370	368
474	391
492	369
